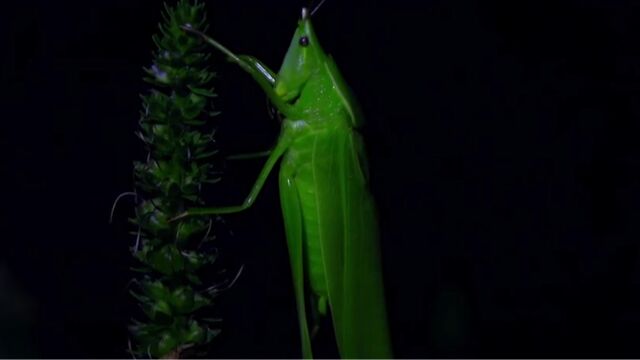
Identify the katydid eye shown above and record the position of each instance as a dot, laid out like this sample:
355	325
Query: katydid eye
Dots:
304	41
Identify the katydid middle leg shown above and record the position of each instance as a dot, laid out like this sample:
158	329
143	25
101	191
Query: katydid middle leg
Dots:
249	156
278	151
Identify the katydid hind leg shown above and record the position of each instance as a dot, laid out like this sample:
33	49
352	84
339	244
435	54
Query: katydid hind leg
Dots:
316	334
294	227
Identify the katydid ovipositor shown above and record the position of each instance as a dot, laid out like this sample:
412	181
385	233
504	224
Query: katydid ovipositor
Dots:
329	214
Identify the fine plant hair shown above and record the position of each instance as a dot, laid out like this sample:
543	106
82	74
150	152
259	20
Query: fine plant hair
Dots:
173	256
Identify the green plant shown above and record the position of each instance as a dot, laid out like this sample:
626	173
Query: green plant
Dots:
176	113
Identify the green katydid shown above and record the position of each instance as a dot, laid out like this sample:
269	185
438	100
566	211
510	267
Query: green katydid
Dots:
329	214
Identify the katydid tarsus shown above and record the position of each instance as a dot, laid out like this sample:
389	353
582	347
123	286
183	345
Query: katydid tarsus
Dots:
329	214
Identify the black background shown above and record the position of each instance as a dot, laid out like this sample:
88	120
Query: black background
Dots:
503	152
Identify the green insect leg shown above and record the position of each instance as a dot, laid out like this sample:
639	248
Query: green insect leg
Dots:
294	227
249	156
281	147
264	76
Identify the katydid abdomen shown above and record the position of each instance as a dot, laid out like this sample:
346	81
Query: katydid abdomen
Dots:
332	232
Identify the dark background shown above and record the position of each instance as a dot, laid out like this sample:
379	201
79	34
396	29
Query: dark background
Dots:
503	151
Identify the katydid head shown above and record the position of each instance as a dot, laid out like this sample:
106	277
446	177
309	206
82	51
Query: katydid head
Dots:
304	58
